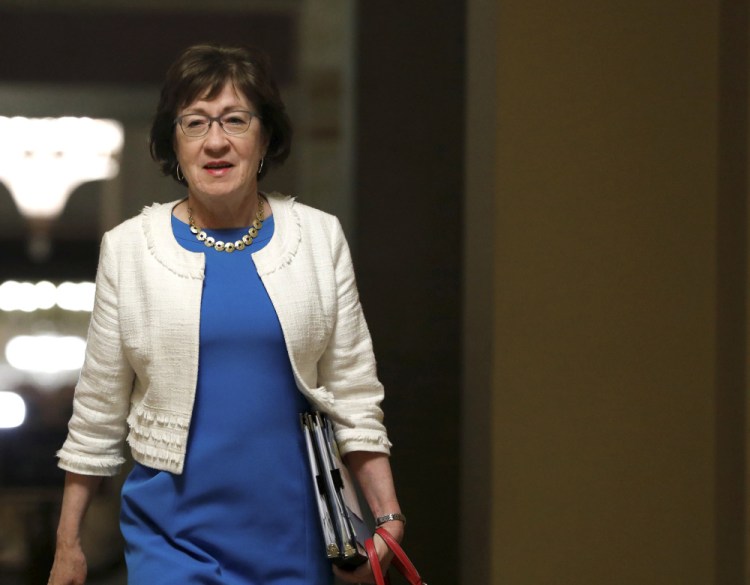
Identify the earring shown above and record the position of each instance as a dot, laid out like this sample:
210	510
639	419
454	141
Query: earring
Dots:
180	176
260	168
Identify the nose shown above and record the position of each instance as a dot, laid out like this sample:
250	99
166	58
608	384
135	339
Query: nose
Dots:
216	137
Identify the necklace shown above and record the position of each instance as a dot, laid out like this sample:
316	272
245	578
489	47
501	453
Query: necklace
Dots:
229	247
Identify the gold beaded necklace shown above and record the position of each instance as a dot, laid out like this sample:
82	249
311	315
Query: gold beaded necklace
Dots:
229	247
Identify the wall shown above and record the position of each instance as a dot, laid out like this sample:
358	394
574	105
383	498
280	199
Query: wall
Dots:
618	319
408	176
477	543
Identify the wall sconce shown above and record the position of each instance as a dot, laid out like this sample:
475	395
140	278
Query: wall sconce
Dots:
43	160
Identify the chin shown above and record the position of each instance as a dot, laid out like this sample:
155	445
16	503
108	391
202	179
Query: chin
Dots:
221	191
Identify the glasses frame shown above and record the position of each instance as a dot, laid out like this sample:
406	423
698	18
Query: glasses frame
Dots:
212	119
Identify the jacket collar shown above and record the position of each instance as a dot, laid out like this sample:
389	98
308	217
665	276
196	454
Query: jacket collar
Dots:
279	252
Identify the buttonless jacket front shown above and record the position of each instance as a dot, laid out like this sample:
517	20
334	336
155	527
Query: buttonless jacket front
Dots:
139	377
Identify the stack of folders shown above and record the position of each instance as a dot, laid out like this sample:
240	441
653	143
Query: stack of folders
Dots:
344	530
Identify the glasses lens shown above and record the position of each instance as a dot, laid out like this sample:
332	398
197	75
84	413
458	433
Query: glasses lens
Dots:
194	125
236	122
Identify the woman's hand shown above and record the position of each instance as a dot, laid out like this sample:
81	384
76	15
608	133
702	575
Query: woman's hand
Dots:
69	567
373	473
363	573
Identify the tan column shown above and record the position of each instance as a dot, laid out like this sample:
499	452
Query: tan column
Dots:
605	284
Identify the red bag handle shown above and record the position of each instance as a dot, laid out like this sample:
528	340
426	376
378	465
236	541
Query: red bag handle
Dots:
377	571
400	560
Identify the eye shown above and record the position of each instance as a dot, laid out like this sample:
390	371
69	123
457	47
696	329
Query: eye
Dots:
236	119
194	121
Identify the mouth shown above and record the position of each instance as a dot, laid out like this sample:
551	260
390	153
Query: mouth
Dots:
220	164
218	167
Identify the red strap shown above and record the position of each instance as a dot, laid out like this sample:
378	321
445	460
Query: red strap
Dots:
400	559
377	571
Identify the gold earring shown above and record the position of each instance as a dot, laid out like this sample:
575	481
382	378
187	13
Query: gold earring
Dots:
180	176
260	168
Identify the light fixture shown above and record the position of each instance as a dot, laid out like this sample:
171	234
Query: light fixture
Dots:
43	160
42	296
45	354
12	410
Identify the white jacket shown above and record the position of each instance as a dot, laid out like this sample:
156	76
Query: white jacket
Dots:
139	377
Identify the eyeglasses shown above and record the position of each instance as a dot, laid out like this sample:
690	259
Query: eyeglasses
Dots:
233	123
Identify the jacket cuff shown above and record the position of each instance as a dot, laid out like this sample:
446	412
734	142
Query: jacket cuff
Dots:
84	465
350	440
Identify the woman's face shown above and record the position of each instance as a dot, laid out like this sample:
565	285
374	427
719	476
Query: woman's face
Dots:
220	165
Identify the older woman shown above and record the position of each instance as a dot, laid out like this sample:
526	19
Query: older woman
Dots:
218	319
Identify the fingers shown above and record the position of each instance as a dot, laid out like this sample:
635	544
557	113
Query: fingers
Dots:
362	574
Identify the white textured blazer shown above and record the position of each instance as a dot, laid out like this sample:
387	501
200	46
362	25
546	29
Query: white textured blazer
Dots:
139	377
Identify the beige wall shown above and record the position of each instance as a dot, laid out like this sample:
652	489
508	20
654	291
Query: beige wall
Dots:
604	344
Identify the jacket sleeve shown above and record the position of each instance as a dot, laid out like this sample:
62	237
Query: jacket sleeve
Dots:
98	427
347	367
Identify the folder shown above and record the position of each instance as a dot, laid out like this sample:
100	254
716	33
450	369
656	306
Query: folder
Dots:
341	518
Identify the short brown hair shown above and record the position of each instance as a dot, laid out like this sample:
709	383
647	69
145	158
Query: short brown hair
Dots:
204	70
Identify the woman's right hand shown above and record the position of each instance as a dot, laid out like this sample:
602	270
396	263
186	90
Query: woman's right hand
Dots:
69	567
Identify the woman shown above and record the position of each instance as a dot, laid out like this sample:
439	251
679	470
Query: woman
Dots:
218	319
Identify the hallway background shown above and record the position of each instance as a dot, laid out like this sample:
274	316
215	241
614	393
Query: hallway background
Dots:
547	205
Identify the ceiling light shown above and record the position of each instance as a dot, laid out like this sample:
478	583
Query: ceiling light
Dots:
43	160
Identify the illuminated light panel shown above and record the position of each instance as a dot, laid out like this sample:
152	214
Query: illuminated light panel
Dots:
45	354
43	160
76	296
12	410
40	296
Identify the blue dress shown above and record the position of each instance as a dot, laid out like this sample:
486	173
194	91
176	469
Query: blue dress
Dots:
242	512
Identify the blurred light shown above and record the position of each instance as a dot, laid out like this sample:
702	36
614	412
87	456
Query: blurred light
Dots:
42	160
44	295
12	410
29	297
46	354
76	296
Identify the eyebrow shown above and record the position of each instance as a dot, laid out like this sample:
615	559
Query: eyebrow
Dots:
226	110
